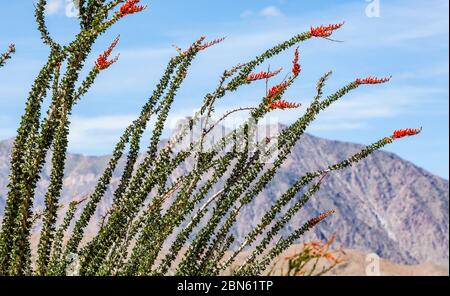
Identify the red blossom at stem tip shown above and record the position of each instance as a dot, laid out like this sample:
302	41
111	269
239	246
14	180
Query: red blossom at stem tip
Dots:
282	104
262	75
296	68
102	61
372	80
277	89
211	43
130	7
406	132
325	31
314	221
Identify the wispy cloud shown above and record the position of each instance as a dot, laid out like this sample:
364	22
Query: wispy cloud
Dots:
358	110
430	72
271	11
267	12
97	132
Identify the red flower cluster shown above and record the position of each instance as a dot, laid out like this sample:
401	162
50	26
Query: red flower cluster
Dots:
406	132
296	67
282	104
130	7
372	80
314	221
262	75
325	31
211	43
276	90
102	60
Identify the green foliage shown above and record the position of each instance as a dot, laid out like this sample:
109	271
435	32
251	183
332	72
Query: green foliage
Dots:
152	203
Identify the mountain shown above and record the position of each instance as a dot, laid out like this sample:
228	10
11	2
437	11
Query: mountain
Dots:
385	204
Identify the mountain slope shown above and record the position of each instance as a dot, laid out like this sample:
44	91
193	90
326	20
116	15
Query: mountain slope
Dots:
384	204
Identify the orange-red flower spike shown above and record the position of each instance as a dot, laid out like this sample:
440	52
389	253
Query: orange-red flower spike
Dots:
406	132
282	104
262	75
130	7
211	43
276	90
325	31
102	61
372	80
312	222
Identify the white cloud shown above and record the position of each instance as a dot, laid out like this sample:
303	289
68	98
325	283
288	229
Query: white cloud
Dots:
433	71
82	125
356	111
268	12
53	6
97	133
271	11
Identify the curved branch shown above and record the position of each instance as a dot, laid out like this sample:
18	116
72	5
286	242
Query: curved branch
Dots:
228	114
40	20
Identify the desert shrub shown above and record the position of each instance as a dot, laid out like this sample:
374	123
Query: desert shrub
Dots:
314	258
150	202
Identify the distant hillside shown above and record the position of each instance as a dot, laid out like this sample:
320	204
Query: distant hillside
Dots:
355	263
385	204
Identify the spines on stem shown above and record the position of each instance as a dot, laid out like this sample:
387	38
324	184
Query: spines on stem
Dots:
7	55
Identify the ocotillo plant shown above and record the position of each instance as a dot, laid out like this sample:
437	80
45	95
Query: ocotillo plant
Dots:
154	205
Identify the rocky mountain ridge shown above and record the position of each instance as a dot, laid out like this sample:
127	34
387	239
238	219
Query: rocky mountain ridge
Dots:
385	204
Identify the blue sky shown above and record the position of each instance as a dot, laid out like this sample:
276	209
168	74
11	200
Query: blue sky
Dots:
406	39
